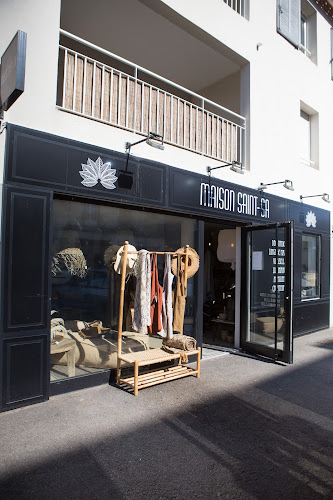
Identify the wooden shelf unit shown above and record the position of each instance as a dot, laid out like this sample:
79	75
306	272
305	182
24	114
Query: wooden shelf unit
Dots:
155	375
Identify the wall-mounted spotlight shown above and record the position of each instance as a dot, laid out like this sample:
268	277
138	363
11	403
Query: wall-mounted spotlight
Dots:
125	178
235	166
324	196
154	140
286	184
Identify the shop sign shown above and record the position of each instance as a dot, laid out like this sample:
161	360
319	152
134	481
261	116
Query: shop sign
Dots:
12	71
232	200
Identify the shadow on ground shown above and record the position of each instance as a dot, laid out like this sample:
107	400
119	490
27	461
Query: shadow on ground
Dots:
235	447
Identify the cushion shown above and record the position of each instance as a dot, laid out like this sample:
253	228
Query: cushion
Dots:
101	351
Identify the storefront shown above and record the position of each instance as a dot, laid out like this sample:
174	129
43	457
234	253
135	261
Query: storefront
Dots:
264	260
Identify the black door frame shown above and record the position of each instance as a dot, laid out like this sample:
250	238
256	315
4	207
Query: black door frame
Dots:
257	349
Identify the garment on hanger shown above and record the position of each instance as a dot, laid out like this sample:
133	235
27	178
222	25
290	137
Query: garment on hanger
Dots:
156	299
179	300
167	311
142	301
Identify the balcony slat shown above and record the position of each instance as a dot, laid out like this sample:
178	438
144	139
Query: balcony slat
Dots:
84	83
122	118
106	95
69	82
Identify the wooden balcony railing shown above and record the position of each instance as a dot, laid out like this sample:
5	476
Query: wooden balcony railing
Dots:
98	91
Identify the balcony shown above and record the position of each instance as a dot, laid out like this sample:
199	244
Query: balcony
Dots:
125	95
239	6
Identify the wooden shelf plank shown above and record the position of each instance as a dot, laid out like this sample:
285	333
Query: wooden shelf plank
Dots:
159	376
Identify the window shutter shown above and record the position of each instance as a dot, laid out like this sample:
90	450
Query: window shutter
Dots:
289	20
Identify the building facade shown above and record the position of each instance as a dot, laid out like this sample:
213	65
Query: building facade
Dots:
220	89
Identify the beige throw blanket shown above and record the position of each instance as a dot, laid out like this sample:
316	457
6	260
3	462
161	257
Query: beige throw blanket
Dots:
183	342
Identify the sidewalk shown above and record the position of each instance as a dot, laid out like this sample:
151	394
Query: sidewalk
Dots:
247	429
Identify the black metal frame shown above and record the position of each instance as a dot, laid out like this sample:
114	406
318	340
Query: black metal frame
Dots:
273	353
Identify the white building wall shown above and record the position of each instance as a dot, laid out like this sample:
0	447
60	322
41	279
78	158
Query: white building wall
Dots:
278	78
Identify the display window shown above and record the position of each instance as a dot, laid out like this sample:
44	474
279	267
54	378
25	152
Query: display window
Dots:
311	250
86	288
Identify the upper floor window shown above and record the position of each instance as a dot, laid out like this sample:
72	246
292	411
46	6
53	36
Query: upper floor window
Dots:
309	136
297	22
304	36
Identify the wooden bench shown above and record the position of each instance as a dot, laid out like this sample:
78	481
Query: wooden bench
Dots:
156	375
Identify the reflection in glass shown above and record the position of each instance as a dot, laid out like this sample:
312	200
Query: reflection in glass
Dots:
85	293
267	288
310	266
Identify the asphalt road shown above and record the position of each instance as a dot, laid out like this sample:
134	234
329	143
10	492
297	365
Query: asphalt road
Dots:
247	429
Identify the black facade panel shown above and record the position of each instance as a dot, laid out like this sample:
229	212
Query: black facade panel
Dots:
325	267
209	196
308	218
78	156
24	371
37	159
297	266
152	184
26	281
77	383
311	316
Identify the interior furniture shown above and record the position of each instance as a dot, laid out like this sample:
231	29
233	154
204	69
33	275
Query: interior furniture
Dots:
66	346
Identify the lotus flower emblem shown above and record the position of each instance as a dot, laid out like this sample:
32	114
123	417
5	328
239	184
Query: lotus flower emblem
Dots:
310	219
95	171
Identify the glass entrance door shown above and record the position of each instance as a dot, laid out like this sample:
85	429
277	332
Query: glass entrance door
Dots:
266	327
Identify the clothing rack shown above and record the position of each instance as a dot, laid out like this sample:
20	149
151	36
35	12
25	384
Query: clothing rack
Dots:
152	356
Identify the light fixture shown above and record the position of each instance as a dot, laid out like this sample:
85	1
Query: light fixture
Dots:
324	196
286	184
154	140
125	178
235	166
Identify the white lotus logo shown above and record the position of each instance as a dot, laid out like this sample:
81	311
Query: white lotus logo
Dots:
95	171
310	219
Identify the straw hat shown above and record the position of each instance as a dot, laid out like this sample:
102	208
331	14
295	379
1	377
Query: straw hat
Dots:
131	259
110	255
193	262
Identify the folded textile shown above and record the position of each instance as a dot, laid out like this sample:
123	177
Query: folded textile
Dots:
183	342
57	328
174	350
92	329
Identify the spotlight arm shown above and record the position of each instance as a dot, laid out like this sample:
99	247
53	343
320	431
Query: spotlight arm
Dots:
286	183
129	145
324	196
150	136
209	169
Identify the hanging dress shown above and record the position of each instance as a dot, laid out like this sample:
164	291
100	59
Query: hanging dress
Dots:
156	299
179	299
167	311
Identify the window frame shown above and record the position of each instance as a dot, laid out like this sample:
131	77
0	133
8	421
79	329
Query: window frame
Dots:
318	267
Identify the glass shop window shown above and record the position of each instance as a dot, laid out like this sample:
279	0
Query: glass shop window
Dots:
310	287
86	289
